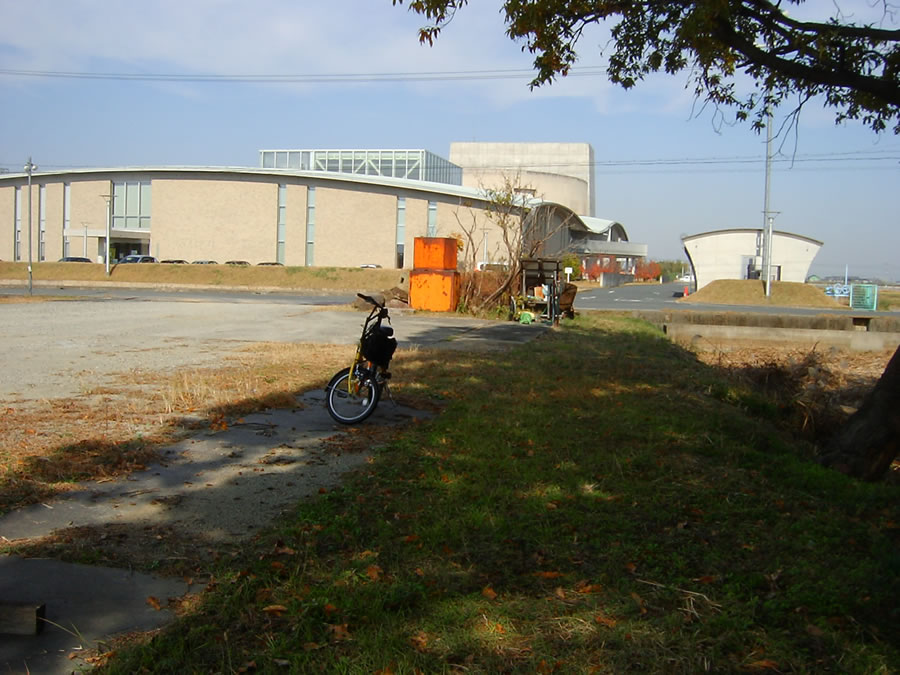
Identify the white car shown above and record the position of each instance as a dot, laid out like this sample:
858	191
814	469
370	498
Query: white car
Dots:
137	259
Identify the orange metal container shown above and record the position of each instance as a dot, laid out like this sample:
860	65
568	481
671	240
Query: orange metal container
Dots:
434	290
434	253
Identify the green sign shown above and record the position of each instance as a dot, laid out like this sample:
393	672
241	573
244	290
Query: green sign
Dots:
864	296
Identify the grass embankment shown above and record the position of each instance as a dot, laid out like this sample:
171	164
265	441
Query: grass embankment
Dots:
753	292
595	502
299	278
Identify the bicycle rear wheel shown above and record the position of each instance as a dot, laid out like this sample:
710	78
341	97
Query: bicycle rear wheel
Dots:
349	403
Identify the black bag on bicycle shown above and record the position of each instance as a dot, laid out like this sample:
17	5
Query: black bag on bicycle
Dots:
378	346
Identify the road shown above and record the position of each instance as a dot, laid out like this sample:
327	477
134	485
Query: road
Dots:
622	298
663	297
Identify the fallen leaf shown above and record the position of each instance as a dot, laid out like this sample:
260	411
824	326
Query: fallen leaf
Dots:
419	641
329	608
763	664
154	603
339	631
590	588
548	575
631	567
275	610
605	621
489	593
374	572
410	538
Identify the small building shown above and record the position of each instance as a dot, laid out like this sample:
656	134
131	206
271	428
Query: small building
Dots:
738	254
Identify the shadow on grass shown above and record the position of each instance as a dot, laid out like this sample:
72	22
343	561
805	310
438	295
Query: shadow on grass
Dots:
589	501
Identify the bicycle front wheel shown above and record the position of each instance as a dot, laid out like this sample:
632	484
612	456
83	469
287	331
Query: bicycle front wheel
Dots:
353	401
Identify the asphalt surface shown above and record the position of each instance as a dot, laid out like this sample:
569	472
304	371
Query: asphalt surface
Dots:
221	486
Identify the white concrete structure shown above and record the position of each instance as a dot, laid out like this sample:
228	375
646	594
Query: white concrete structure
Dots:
555	172
738	254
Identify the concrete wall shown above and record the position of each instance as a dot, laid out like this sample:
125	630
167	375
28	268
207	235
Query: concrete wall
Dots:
724	254
540	161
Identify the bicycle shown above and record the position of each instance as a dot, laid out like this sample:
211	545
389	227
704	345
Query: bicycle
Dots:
353	392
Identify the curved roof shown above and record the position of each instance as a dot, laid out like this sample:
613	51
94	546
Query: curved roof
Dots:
740	230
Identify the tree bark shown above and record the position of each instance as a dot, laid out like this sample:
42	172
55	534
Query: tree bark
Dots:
870	440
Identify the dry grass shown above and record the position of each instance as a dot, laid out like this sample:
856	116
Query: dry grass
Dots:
107	432
296	278
815	390
753	292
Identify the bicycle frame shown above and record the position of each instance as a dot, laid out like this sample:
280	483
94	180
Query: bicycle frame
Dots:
373	322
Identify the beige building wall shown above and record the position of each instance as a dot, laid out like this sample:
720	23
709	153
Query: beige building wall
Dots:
364	222
224	215
87	214
216	219
53	221
295	226
8	219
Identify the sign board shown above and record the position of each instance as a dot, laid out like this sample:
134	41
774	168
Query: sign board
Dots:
864	296
838	291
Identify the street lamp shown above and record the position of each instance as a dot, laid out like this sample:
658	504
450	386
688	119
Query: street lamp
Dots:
108	198
29	169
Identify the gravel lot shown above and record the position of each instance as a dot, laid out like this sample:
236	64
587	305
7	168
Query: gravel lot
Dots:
58	349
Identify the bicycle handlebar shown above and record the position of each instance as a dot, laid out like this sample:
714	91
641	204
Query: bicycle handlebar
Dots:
370	300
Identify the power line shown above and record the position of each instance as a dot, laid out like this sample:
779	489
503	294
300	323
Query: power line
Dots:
310	78
811	162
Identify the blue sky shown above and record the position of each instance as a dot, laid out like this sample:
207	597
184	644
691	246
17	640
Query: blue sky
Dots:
665	167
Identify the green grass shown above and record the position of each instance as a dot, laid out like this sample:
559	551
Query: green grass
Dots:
596	501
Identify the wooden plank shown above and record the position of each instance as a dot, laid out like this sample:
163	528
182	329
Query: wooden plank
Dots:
21	618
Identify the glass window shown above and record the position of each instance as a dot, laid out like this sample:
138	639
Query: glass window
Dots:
17	253
67	206
42	219
432	219
310	225
131	205
282	223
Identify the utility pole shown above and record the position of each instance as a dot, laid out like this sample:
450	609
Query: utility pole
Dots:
108	198
767	214
29	169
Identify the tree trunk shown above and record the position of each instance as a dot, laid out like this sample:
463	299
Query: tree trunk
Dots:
870	440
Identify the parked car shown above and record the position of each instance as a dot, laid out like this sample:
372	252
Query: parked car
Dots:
271	264
137	259
174	262
239	263
74	258
370	266
204	262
